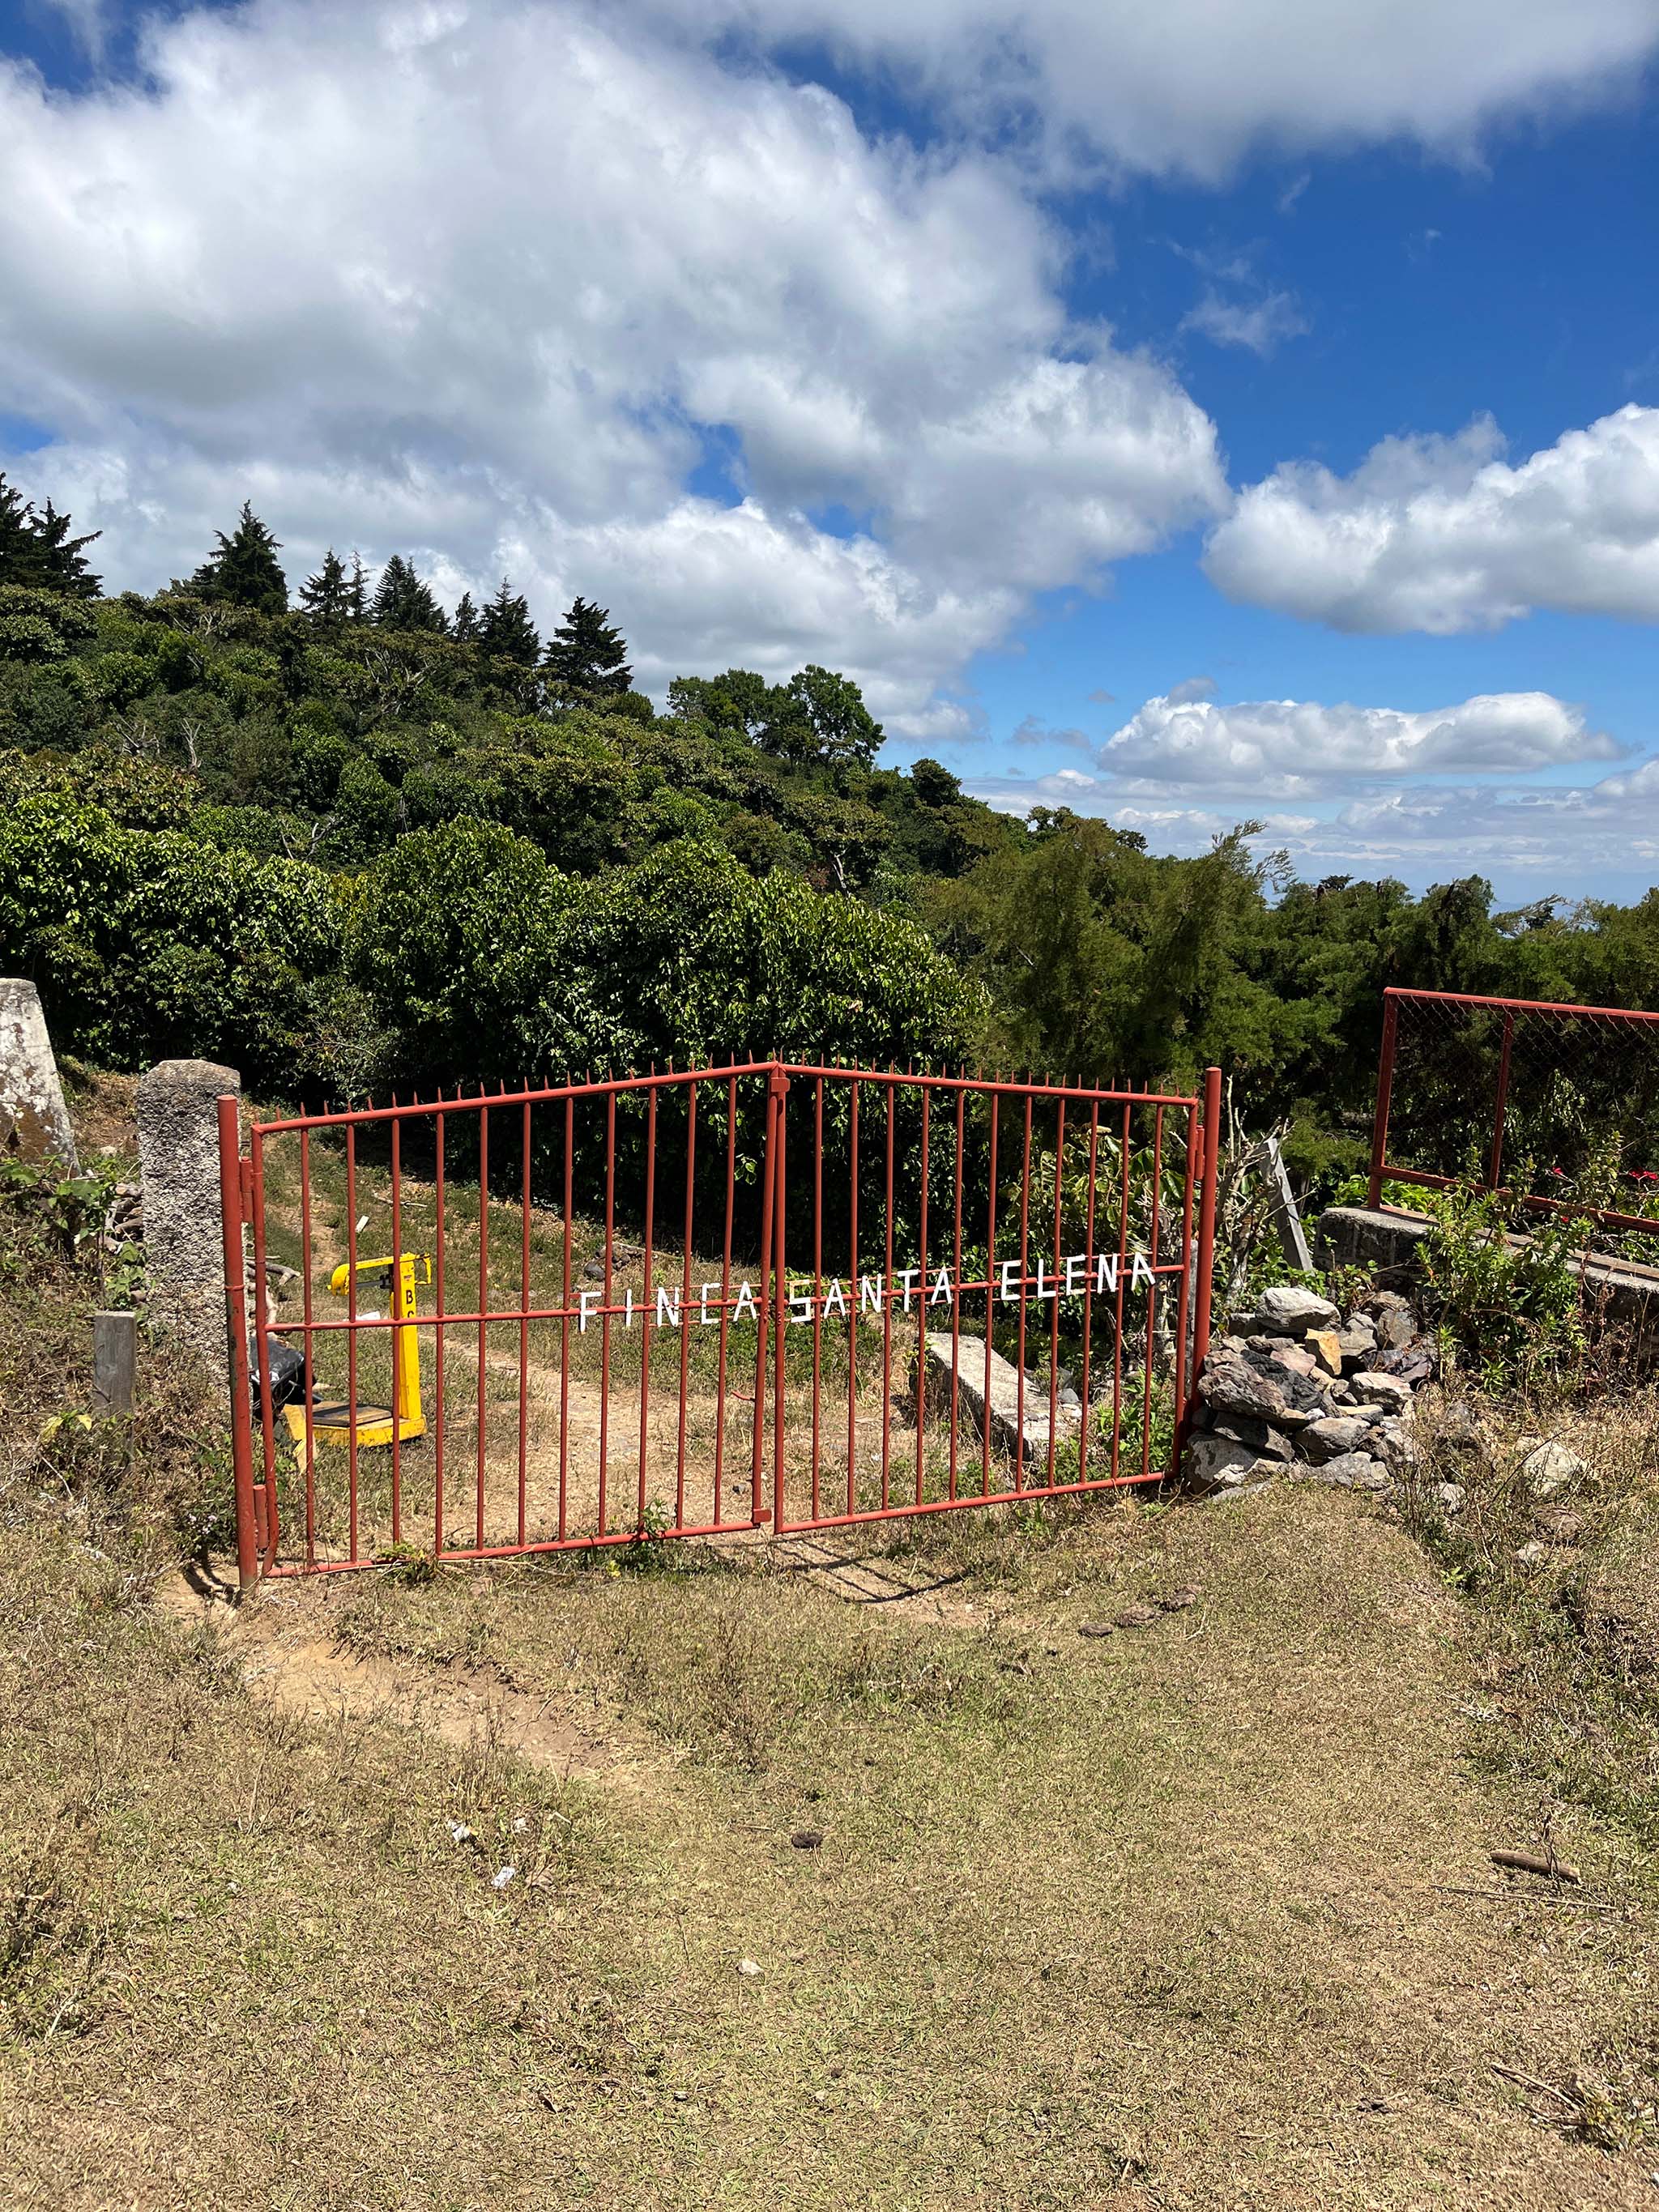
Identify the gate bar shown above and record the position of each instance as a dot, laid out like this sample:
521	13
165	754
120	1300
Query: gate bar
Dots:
241	1403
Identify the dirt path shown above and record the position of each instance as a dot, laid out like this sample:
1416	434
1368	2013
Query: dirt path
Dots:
285	1643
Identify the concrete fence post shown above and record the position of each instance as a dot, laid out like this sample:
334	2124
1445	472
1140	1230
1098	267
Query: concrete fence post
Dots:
184	1231
34	1118
114	1362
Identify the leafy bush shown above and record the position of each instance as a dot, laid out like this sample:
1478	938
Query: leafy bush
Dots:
147	945
1509	1305
493	964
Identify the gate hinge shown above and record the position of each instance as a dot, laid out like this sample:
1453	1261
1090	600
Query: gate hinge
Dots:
777	1084
246	1180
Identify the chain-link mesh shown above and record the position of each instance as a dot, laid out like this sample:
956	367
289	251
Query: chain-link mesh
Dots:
1562	1101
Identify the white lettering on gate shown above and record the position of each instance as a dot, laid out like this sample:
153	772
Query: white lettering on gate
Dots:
909	1285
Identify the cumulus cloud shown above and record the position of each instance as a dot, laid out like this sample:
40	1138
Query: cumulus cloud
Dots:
1191	88
1444	534
1261	326
1286	748
1371	790
485	279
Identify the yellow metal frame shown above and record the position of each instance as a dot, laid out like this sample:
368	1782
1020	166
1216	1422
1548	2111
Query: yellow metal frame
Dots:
336	1421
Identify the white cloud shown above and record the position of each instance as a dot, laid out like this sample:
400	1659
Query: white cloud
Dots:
1192	87
1526	840
1369	791
1261	326
1292	748
474	281
1443	534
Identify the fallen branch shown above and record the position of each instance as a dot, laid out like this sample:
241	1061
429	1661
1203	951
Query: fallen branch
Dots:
1531	1862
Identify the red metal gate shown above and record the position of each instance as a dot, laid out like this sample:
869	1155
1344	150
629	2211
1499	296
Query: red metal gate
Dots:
681	1305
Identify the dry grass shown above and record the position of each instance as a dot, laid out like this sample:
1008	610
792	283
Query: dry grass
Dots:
1198	1915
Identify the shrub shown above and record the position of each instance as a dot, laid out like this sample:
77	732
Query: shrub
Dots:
150	944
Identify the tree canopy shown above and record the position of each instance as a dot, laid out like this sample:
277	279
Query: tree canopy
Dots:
586	656
243	569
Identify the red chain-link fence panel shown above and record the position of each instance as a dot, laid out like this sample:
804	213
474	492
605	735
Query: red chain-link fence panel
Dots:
1556	1104
687	1304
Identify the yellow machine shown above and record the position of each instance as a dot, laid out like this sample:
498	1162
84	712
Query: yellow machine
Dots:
336	1420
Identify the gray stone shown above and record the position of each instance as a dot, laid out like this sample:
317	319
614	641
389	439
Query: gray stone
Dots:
1386	1390
1281	1399
1352	1471
1212	1463
1330	1438
1267	1442
1004	1396
1533	1554
184	1235
1548	1469
33	1118
1295	1358
1356	1343
1450	1497
1361	1236
1396	1329
1289	1310
1389	1443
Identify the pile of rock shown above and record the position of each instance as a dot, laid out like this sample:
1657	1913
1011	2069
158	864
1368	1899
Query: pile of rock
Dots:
1300	1389
124	1220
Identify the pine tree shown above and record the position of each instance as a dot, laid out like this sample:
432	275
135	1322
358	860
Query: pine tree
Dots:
357	592
326	597
465	626
63	566
245	570
402	601
37	553
585	654
16	538
505	628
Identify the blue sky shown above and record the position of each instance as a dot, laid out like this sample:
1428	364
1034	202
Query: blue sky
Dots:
1033	365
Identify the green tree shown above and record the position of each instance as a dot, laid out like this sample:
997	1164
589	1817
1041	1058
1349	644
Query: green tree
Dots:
402	601
465	626
585	655
243	570
357	592
739	702
40	625
505	628
326	597
819	719
36	551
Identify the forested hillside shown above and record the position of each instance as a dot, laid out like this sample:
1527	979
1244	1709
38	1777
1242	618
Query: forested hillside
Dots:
348	839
